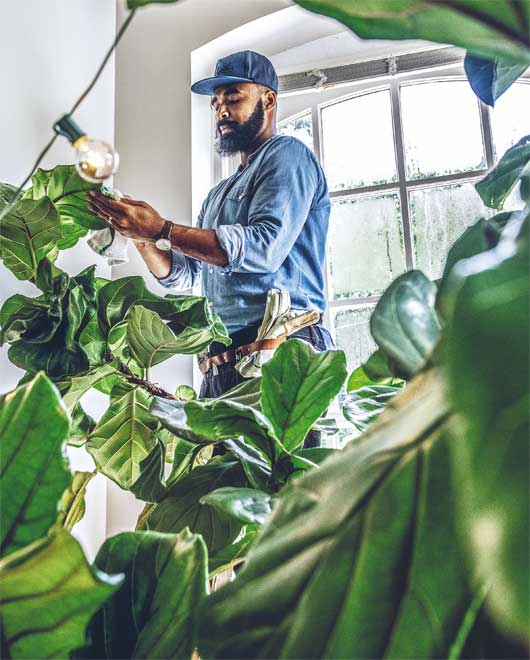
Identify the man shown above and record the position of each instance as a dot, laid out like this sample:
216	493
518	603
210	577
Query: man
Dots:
263	227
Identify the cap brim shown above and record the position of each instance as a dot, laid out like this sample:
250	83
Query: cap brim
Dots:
209	85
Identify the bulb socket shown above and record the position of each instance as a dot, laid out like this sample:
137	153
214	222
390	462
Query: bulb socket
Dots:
68	128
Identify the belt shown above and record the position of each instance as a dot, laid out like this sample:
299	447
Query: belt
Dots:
235	354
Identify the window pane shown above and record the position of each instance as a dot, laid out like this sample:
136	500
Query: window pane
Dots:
439	216
441	129
352	333
301	128
510	118
365	245
358	141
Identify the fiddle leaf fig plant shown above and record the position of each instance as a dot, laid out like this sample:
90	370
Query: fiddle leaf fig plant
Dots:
414	536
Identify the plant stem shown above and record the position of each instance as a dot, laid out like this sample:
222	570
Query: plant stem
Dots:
152	388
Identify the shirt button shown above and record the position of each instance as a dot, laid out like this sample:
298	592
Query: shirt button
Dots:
211	270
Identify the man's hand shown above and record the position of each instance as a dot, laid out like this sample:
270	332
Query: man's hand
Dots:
130	217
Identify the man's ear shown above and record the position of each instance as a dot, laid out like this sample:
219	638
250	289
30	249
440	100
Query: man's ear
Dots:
269	99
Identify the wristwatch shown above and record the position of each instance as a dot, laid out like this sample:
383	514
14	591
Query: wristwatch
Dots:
163	242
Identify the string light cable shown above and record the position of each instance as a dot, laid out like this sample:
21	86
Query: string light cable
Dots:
68	128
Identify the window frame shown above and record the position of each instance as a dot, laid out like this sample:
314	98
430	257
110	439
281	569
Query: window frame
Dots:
402	186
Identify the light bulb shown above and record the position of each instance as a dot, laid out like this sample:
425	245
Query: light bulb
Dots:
95	160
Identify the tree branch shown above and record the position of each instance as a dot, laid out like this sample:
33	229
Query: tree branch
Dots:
152	388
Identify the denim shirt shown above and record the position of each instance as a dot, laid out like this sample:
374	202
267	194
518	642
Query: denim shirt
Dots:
271	219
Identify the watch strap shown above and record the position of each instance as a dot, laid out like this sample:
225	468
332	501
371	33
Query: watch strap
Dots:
166	230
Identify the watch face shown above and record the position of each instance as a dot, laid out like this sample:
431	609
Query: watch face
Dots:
163	244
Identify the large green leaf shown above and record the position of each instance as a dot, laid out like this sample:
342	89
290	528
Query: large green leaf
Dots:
33	469
185	314
235	553
73	388
491	29
247	505
248	393
222	419
371	535
478	238
377	370
487	351
214	420
28	233
154	613
72	505
82	425
6	193
257	469
152	341
182	507
363	406
124	437
67	190
297	386
514	165
93	342
49	594
172	416
489	79
405	323
45	331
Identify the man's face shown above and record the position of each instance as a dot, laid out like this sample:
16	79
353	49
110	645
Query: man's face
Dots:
239	117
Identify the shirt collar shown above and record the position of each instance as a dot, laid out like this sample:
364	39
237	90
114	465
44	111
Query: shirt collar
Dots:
255	153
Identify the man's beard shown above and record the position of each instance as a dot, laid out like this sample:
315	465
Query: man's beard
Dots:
243	136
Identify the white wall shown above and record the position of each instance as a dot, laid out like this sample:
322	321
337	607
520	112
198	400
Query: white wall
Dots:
49	52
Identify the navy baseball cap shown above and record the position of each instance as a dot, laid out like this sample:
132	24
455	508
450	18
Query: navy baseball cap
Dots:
246	66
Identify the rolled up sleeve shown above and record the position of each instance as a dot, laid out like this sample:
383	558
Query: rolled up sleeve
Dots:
184	274
281	201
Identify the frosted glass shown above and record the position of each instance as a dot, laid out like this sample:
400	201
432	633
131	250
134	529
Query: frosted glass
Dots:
510	118
441	129
358	142
365	245
439	216
352	333
301	128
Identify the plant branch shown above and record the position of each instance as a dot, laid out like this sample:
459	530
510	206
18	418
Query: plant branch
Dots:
131	377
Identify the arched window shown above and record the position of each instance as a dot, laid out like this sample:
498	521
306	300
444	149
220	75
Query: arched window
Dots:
401	155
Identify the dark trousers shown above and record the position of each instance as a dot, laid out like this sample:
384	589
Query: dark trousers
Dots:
227	376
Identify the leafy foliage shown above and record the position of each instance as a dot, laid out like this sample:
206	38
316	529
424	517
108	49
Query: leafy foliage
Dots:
297	386
182	507
488	336
405	324
33	429
397	586
490	29
67	190
72	504
44	332
29	232
514	165
489	79
124	437
49	593
154	613
247	505
371	531
362	406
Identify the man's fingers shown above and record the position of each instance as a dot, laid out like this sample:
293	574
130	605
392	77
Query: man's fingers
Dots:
105	202
132	202
105	215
